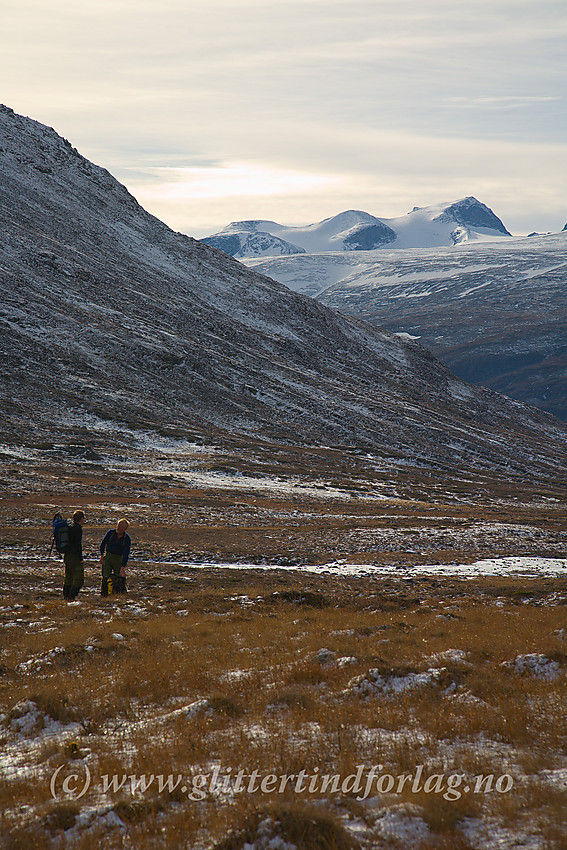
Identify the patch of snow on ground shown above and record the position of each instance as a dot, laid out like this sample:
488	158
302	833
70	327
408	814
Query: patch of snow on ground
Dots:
346	660
29	729
455	656
535	664
481	836
491	567
33	665
404	827
237	480
374	682
27	722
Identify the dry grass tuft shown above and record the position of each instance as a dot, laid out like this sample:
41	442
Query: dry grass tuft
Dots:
307	827
226	705
61	818
309	598
137	811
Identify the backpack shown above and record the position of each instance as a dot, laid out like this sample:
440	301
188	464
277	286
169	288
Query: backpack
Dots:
60	534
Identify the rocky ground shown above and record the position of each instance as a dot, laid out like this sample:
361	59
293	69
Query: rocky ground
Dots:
279	622
296	506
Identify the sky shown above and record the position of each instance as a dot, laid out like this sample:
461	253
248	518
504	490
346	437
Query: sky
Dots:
212	111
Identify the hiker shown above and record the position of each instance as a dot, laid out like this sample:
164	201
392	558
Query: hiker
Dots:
73	558
114	552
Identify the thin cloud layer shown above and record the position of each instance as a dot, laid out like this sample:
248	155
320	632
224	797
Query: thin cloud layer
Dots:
324	105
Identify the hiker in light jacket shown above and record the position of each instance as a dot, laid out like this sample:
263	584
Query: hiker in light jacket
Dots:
114	552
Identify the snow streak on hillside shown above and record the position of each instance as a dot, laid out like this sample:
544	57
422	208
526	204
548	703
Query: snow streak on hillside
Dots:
106	312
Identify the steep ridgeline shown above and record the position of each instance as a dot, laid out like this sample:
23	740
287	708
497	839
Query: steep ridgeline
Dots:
108	316
424	227
495	314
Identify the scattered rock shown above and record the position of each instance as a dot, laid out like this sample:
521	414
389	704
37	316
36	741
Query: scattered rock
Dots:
535	664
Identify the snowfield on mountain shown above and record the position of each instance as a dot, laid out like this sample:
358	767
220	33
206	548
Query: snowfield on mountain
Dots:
449	223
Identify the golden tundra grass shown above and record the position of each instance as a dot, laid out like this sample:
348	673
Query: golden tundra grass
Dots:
247	644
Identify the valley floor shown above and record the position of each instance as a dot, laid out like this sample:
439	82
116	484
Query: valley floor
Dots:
305	660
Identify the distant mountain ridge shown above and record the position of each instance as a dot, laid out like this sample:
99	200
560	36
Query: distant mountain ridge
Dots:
494	312
354	230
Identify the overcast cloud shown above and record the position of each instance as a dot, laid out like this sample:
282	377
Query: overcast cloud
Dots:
295	110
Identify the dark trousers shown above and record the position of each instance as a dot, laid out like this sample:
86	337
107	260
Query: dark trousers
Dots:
74	575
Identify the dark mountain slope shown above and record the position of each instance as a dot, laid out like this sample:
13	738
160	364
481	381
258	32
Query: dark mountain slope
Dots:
109	316
496	315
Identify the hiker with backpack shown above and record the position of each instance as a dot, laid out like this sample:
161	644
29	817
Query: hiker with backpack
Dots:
114	552
69	542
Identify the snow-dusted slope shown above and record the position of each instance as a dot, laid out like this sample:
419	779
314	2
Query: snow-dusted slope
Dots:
246	243
495	313
108	316
444	224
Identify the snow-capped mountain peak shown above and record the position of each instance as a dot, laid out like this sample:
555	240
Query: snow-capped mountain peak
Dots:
351	230
253	226
345	221
448	223
469	212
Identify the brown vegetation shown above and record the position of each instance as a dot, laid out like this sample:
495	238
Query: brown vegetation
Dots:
278	671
